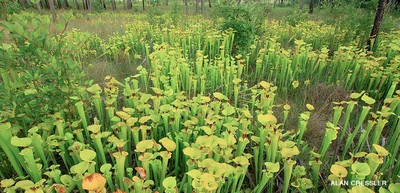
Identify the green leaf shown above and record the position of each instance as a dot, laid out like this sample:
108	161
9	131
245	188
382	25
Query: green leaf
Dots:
356	95
383	190
290	152
310	107
105	168
94	128
286	107
394	188
131	121
144	119
360	189
197	184
299	171
168	144
5	126
374	158
368	99
67	180
30	91
265	85
165	154
87	155
360	169
272	167
241	160
220	96
267	119
193	153
305	184
53	173
24	184
142	146
359	154
123	115
380	150
80	168
21	142
236	81
338	170
195	174
169	183
7	183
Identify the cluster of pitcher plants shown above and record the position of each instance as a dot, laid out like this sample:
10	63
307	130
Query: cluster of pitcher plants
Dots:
196	117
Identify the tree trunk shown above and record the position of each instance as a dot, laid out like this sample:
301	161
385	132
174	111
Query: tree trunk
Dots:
377	24
113	4
89	3
59	4
38	6
123	3
76	4
209	3
202	7
103	2
44	4
66	4
143	5
129	2
238	2
311	8
53	12
186	7
197	6
3	10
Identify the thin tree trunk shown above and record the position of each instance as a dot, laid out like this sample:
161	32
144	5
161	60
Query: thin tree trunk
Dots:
66	4
114	6
377	24
129	2
143	5
202	7
45	4
238	2
186	7
311	8
197	6
39	7
53	12
209	3
3	10
123	3
59	4
89	2
103	2
76	4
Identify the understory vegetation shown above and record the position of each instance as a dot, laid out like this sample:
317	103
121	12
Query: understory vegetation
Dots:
234	101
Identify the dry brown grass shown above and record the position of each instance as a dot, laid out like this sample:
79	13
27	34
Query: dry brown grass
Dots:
321	96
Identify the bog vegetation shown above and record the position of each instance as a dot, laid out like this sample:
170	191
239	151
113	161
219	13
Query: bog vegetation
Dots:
237	100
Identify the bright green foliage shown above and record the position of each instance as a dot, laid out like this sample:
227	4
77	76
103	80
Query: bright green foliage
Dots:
197	116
